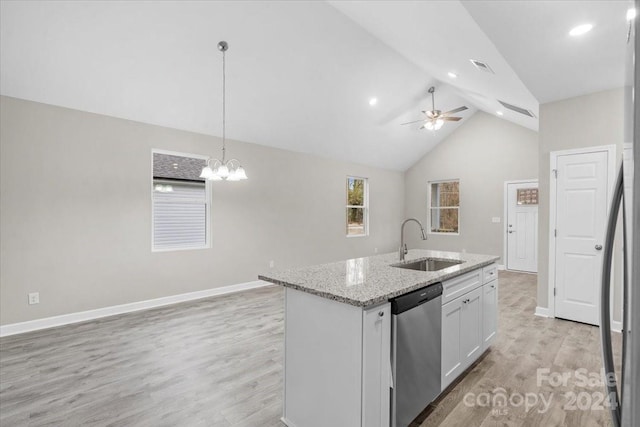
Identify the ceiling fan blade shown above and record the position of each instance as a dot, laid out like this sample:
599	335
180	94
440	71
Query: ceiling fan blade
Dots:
451	119
457	110
408	123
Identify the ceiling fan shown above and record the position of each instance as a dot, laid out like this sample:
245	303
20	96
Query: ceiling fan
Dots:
436	118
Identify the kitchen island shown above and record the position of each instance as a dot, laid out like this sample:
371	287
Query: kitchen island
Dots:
338	331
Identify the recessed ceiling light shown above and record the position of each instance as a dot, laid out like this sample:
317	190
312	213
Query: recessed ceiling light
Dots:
500	113
373	101
631	14
452	75
580	30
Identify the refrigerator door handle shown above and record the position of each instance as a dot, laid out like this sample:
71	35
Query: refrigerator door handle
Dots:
605	315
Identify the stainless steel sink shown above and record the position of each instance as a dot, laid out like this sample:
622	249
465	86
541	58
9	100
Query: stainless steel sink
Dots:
428	264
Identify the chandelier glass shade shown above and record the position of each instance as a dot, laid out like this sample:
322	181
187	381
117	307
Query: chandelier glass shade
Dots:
216	169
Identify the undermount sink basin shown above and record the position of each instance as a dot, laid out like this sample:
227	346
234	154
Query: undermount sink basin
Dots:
428	264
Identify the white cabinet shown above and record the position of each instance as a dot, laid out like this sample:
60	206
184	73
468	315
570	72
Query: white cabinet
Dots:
451	358
337	362
489	313
376	366
471	327
461	335
468	322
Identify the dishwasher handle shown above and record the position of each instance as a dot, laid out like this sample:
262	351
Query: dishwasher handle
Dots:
415	298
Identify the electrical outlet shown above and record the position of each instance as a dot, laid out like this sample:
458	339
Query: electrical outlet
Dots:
34	298
495	220
271	264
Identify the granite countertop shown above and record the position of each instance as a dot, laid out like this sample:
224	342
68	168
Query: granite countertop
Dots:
371	280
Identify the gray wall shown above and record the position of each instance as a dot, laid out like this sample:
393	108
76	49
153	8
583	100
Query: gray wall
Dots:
75	212
483	154
585	121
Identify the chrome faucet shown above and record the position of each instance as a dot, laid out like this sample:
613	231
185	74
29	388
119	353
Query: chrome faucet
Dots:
403	246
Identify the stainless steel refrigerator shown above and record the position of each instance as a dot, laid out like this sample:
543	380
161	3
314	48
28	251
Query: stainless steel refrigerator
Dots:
624	393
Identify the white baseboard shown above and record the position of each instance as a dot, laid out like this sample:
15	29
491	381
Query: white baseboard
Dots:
83	316
543	312
616	326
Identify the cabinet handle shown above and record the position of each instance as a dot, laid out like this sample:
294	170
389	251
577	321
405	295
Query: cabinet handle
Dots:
493	286
381	313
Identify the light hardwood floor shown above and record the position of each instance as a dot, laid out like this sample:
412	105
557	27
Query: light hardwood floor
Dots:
218	362
525	344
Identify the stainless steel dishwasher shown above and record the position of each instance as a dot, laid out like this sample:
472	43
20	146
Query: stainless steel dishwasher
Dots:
415	352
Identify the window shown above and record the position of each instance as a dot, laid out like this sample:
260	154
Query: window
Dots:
527	196
444	209
357	207
180	202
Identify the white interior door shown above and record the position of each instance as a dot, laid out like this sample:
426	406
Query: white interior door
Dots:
522	226
581	211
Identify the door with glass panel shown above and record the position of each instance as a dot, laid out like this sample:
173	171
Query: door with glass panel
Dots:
522	226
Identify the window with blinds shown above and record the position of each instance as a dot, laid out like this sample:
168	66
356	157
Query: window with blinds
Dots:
180	203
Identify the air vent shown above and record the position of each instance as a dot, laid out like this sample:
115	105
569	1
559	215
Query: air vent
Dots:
517	109
482	66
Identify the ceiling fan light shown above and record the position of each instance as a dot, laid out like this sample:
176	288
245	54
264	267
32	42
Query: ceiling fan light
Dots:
429	125
438	124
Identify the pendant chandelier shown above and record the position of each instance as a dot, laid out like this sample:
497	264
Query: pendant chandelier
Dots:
216	169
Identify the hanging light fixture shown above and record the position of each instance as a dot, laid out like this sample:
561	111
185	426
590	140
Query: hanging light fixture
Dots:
216	169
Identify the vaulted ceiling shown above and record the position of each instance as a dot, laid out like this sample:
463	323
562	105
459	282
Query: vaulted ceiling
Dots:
300	75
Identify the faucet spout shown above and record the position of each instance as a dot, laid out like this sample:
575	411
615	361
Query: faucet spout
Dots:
403	246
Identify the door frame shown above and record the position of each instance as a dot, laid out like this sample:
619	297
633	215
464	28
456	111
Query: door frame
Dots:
553	164
505	216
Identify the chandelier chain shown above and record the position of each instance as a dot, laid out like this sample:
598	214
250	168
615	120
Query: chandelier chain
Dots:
224	106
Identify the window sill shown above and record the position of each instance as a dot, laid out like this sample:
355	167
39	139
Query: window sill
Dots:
350	236
180	249
442	234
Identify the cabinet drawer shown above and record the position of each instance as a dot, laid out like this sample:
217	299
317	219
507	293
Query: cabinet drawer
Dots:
458	286
489	273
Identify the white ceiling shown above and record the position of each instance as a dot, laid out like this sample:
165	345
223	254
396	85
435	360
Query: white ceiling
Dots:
441	36
533	36
300	74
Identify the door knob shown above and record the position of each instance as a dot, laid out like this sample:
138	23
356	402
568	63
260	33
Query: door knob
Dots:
598	247
512	231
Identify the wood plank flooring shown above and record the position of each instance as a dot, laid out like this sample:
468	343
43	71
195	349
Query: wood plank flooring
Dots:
524	344
212	362
218	362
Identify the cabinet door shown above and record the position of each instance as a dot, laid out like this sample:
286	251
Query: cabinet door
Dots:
452	356
471	327
489	313
376	366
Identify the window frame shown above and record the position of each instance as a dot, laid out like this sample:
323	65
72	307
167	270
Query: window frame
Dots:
207	190
364	207
430	207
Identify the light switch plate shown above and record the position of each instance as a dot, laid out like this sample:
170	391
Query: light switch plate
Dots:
495	220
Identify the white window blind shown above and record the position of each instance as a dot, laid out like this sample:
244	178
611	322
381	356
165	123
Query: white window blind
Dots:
179	214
